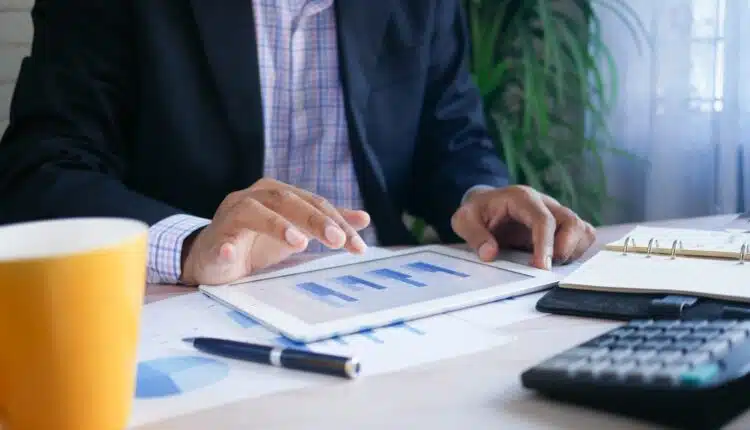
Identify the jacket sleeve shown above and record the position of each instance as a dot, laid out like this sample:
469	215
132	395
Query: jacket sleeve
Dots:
455	152
64	152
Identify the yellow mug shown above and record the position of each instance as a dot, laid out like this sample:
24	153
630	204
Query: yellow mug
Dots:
71	293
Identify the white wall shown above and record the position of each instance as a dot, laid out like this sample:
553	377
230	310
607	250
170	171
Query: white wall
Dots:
15	38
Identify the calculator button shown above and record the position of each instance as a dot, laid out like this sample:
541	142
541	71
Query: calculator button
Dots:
622	368
643	373
650	332
622	332
640	323
677	333
579	352
693	324
592	370
717	348
665	323
693	338
618	354
622	343
700	374
707	333
686	345
600	342
643	355
669	375
721	324
661	338
555	367
695	358
598	353
668	357
734	336
654	344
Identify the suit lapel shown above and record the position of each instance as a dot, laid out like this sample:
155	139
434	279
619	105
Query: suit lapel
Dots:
227	29
362	25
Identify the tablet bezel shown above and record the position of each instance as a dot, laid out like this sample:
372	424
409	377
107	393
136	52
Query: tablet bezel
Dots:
301	331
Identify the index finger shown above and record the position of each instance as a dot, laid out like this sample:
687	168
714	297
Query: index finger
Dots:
354	242
529	208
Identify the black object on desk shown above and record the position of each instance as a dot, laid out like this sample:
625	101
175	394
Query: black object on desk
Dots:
629	306
689	374
291	358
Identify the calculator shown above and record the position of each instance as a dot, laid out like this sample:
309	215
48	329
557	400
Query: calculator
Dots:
679	373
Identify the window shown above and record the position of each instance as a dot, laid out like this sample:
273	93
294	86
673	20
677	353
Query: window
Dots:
707	55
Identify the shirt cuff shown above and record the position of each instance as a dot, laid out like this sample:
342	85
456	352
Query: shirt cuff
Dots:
165	240
476	188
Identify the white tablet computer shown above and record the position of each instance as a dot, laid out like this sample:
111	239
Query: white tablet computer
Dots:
375	292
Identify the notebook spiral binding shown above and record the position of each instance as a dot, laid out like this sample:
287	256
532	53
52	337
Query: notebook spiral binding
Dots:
677	244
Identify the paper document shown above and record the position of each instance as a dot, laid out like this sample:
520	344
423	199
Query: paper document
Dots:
175	379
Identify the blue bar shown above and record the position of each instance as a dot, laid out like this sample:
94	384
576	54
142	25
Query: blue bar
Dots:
405	326
427	267
354	282
370	334
398	276
325	293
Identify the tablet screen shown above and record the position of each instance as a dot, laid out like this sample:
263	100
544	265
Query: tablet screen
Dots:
360	288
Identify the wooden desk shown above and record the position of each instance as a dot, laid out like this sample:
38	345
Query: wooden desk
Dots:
480	391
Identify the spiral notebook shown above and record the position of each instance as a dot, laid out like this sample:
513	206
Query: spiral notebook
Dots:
700	263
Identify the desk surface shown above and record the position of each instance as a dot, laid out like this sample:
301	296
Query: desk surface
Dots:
480	391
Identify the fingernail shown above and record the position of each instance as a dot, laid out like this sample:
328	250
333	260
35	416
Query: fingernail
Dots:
294	237
334	235
548	262
359	244
486	250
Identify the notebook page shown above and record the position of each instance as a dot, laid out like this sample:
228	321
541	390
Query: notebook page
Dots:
705	243
615	272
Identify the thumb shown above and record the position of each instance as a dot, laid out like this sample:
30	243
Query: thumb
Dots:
216	258
468	224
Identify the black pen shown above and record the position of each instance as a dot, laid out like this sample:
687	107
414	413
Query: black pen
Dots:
291	358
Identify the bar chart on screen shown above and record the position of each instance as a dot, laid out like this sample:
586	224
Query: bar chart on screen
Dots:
350	291
373	280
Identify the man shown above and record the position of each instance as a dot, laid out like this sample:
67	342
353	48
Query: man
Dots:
242	130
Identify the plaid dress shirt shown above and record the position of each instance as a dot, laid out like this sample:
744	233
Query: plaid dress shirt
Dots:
305	127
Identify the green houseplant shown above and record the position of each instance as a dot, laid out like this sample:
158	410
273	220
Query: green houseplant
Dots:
548	82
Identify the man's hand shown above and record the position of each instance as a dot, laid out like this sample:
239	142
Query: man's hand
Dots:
522	218
263	225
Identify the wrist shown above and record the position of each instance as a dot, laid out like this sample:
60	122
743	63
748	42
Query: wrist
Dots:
187	246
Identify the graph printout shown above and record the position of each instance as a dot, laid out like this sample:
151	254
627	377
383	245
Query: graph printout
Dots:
371	286
174	378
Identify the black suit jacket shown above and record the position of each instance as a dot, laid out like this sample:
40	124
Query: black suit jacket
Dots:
148	108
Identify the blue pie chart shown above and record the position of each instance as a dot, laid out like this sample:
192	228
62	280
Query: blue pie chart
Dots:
172	376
